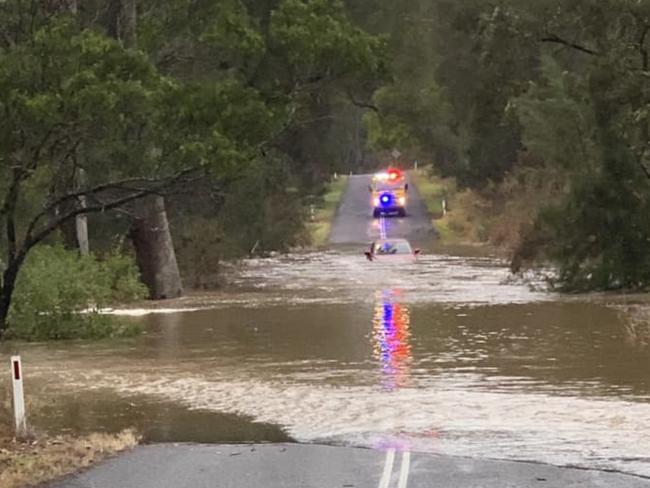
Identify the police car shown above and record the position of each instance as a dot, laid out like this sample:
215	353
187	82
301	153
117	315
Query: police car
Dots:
388	193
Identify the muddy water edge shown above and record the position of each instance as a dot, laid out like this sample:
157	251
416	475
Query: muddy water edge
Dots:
446	355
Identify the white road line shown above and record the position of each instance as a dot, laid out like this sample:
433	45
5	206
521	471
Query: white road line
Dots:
388	469
404	470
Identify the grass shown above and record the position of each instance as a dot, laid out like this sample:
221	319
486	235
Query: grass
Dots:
324	212
463	223
29	463
432	190
39	458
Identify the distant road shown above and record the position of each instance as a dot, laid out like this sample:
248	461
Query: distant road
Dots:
354	224
310	466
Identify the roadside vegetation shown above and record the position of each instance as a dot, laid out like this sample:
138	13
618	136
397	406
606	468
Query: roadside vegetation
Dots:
193	133
39	458
540	112
59	295
498	216
324	211
190	132
439	196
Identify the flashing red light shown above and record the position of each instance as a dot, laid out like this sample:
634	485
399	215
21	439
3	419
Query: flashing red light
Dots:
394	174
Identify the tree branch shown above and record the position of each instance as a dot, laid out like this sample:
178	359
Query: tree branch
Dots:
362	104
552	38
157	186
9	211
32	239
645	57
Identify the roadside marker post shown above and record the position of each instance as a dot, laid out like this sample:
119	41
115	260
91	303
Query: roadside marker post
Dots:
19	396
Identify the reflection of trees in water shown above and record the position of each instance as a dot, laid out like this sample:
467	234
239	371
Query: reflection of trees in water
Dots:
636	321
391	339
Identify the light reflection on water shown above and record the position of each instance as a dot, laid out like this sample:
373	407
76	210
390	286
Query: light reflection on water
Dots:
391	335
445	355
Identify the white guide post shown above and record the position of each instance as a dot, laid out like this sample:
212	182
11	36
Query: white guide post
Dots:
19	397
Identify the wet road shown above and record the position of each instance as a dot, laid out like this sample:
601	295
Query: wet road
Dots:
354	223
305	466
441	358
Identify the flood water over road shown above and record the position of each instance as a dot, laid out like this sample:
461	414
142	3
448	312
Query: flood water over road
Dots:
446	355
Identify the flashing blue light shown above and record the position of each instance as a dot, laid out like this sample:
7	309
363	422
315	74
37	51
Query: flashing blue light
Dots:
386	199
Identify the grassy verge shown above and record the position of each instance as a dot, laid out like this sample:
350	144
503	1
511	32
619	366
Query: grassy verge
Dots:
456	226
39	458
325	210
497	217
28	463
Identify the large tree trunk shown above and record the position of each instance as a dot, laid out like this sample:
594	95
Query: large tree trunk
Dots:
122	21
151	237
6	292
81	221
154	249
128	23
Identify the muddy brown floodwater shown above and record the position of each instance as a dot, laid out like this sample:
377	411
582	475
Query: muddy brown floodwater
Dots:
446	355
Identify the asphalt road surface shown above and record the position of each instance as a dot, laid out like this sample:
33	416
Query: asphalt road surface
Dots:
354	223
307	466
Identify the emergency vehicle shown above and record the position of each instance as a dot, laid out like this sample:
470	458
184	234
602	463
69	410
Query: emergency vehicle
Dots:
388	193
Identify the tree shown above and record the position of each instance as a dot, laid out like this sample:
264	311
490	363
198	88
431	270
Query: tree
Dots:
74	99
210	90
589	117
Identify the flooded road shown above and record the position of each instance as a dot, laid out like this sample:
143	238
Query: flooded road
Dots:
354	224
447	355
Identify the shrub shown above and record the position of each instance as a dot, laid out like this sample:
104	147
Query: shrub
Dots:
59	294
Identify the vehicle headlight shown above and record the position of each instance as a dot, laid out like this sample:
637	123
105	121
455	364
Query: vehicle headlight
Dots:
402	200
376	202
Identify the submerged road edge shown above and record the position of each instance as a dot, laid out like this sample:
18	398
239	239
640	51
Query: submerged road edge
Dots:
319	466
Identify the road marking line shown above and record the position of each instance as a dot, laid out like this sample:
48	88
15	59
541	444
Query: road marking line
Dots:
404	470
388	469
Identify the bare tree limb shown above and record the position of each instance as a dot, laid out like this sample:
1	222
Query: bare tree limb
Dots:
32	239
149	186
552	38
9	211
362	104
645	57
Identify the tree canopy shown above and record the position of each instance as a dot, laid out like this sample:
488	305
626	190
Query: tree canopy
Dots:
151	97
238	109
491	90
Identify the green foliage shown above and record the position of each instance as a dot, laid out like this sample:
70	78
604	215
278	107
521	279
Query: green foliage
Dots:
238	92
558	119
89	91
417	118
260	211
325	207
601	232
515	98
120	275
59	295
585	118
314	33
267	99
266	200
194	39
